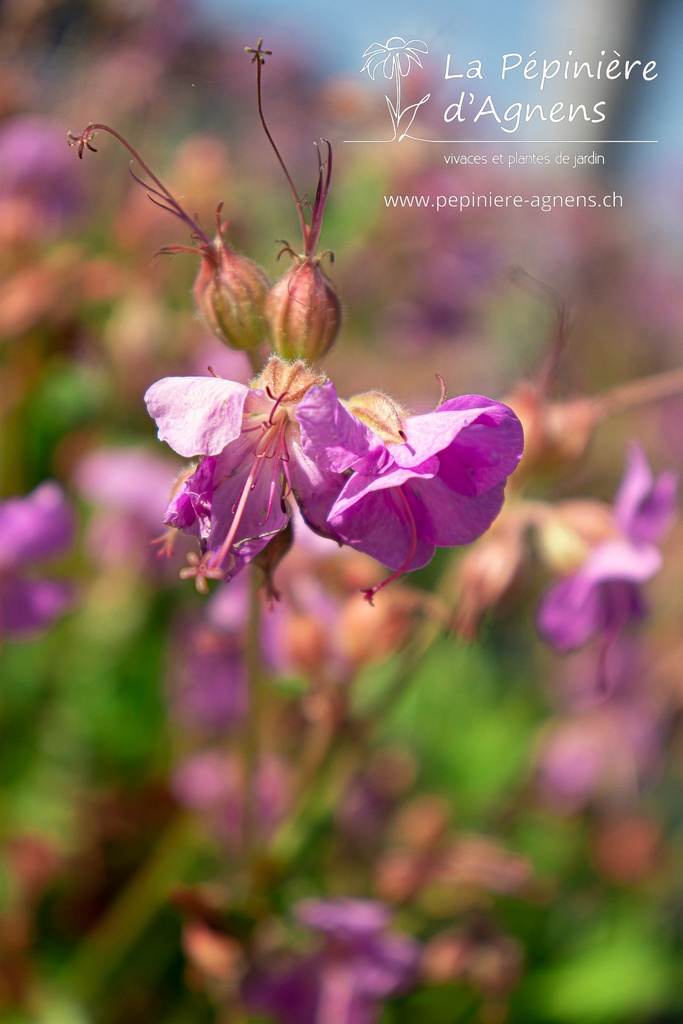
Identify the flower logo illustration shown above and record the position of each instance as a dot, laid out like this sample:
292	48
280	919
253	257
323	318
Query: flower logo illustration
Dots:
395	58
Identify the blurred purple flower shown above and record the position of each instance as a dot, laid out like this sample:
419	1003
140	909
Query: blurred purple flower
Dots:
644	506
38	189
208	687
602	753
33	528
128	514
604	594
212	783
359	966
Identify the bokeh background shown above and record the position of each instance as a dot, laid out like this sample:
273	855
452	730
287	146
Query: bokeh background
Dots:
521	824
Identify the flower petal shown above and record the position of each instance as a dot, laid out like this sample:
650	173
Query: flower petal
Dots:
331	435
378	523
263	516
569	613
479	442
190	508
644	506
197	415
449	518
602	595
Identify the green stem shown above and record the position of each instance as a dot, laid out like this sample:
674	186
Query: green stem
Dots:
252	739
347	751
126	920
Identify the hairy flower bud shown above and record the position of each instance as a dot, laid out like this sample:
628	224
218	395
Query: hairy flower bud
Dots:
303	312
381	413
230	292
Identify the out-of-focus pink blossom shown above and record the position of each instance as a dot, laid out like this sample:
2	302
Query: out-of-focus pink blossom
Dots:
359	965
604	594
606	744
212	782
130	488
38	190
36	527
208	689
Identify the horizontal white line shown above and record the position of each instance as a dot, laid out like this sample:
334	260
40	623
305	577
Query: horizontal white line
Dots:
521	142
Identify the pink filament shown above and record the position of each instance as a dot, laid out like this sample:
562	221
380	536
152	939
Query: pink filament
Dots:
369	594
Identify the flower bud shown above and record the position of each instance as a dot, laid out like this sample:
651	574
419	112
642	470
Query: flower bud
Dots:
303	312
381	413
556	434
230	292
488	571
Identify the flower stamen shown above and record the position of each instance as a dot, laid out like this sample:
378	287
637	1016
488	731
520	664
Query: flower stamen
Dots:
218	557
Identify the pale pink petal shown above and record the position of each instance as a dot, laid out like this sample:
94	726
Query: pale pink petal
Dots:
197	415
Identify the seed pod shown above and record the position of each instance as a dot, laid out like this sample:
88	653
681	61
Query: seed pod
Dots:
303	312
230	292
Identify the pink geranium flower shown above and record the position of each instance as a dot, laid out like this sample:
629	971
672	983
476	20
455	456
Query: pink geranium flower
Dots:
250	442
439	483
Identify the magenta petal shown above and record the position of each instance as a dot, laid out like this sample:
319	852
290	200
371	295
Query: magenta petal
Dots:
644	507
263	516
197	415
380	526
443	486
37	526
331	435
619	560
314	490
484	453
569	613
191	506
602	595
359	486
345	918
435	432
448	518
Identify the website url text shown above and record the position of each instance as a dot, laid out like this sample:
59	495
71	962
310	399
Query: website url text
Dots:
490	200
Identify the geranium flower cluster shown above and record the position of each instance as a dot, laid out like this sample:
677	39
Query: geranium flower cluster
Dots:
363	473
396	490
